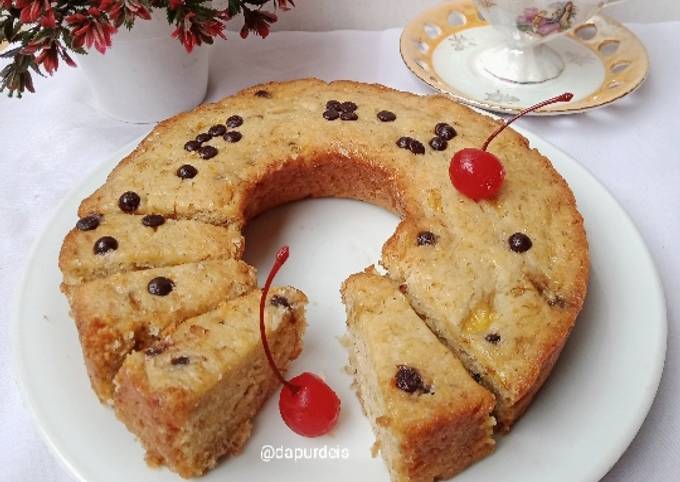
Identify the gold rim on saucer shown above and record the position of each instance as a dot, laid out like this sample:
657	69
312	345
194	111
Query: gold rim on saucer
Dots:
623	59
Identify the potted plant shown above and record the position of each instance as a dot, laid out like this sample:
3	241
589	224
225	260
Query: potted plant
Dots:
156	65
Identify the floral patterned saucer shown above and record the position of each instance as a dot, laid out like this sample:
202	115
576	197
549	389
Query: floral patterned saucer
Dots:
604	61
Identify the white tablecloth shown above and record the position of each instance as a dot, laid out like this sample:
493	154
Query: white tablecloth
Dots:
52	140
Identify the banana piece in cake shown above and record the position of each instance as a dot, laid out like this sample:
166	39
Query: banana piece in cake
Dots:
190	398
101	245
430	418
128	311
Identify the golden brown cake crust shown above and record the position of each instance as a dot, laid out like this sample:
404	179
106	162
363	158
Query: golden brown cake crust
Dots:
506	315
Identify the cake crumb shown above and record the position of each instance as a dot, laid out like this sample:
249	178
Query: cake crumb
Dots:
383	420
375	448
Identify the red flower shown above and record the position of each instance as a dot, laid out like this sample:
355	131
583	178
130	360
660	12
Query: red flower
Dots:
48	20
175	4
124	11
6	4
192	31
184	34
92	29
105	5
50	52
49	59
210	29
137	9
31	10
257	21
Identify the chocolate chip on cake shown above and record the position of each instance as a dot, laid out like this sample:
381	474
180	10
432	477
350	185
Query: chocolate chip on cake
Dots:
207	152
477	377
264	94
187	171
404	142
408	379
160	286
331	115
386	116
493	338
203	137
349	116
180	360
153	220
191	146
348	107
129	201
217	130
332	105
416	147
411	144
445	131
278	300
88	223
403	288
438	144
234	121
232	136
105	244
519	242
426	238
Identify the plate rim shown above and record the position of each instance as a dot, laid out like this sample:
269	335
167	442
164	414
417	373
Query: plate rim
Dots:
20	374
662	342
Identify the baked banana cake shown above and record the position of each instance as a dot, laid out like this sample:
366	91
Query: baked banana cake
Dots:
431	419
500	282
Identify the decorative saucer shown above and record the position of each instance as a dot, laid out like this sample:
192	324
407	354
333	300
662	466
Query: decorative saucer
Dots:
604	61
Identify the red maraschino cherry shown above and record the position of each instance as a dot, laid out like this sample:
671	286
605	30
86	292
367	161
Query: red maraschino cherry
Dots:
307	404
477	173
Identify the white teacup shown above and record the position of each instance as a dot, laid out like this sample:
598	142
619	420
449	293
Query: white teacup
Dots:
527	25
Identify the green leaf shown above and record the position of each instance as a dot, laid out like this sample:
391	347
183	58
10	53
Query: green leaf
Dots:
33	66
10	29
234	7
171	15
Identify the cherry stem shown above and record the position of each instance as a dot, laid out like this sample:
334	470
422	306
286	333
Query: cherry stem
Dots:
281	257
566	97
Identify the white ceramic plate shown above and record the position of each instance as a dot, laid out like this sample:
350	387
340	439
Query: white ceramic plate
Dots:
578	426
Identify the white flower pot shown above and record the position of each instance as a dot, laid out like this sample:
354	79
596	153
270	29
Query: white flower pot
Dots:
146	75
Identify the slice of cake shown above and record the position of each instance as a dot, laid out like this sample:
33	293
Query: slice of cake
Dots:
190	397
128	311
101	245
488	296
430	418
